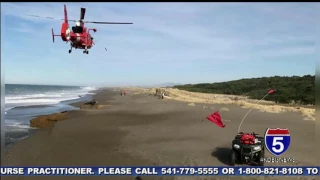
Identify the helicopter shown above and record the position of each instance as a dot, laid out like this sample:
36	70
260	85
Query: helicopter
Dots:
79	36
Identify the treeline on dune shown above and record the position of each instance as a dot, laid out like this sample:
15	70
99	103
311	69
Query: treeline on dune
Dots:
294	89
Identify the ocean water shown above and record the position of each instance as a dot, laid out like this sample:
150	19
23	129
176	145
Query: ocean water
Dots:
24	102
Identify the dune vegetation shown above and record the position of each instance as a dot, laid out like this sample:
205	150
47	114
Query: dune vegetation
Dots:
289	90
293	94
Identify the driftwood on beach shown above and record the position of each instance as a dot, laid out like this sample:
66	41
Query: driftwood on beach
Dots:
94	105
46	121
89	105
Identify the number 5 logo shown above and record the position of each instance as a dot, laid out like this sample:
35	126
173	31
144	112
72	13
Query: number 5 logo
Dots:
277	140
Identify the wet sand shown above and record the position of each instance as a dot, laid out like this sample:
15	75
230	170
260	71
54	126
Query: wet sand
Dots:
143	130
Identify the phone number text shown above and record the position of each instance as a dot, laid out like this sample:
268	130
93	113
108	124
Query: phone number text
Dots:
207	171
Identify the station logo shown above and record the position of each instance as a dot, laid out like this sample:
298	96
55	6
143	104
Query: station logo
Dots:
277	140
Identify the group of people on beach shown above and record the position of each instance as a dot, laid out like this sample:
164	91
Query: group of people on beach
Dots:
123	93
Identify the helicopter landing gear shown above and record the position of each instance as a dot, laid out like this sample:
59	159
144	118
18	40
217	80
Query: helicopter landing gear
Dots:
86	51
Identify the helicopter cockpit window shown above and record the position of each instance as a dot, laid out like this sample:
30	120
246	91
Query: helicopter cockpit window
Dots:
77	29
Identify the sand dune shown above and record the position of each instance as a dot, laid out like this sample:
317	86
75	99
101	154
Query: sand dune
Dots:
243	101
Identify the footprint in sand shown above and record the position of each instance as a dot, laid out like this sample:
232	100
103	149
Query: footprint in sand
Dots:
224	109
308	119
206	107
191	160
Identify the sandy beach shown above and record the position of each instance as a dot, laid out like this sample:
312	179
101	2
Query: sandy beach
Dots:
140	129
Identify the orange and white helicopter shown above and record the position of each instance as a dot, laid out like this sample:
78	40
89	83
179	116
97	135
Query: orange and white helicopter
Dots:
79	36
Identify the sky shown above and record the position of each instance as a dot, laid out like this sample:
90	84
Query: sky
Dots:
168	42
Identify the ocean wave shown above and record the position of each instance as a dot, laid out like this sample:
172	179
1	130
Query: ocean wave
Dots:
45	98
8	98
89	88
42	101
8	108
16	126
17	122
11	139
10	104
32	101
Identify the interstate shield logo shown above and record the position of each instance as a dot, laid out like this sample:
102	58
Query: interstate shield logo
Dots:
277	140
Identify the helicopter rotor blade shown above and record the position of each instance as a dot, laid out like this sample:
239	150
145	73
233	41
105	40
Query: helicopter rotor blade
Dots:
43	17
48	17
82	13
96	22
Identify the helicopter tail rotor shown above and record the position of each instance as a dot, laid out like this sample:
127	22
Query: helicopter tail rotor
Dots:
52	35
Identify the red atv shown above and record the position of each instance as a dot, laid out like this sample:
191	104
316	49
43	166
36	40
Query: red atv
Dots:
247	148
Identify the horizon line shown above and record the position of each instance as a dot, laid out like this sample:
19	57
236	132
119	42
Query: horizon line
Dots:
159	83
